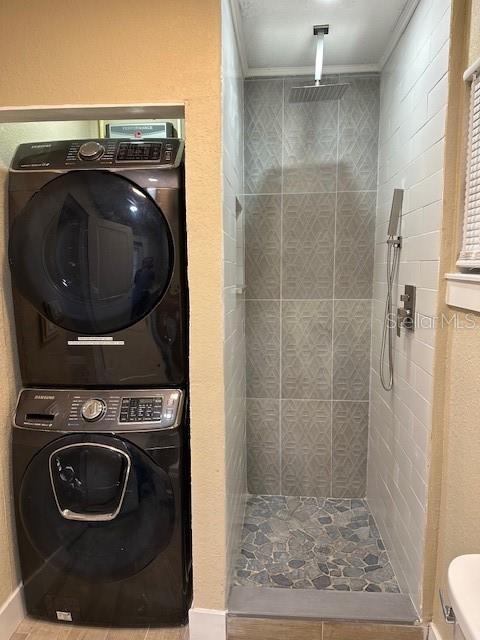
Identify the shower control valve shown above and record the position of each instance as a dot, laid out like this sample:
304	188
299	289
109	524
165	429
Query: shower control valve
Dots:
404	319
406	314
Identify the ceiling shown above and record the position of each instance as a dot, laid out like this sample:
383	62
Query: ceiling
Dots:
277	34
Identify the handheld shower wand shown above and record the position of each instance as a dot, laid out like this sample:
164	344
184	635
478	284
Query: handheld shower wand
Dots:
394	244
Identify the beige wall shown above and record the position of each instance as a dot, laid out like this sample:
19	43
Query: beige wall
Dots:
56	52
459	526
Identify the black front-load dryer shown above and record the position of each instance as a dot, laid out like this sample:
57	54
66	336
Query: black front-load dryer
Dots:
98	261
102	506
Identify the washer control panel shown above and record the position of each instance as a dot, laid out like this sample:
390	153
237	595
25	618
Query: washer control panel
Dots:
103	152
100	410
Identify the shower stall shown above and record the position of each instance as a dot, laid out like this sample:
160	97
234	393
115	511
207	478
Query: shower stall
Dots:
310	202
337	454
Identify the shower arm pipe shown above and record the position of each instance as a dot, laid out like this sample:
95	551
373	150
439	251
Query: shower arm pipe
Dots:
319	58
320	31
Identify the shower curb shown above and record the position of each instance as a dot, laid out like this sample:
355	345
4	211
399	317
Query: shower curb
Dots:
269	602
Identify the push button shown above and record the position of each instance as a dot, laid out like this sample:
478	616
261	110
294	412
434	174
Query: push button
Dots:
173	399
141	409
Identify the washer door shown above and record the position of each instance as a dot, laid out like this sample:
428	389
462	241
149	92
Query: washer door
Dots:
92	252
96	507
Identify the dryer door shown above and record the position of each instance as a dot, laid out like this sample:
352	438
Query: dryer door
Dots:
92	252
96	507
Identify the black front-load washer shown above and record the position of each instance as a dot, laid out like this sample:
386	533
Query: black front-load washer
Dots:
98	260
102	505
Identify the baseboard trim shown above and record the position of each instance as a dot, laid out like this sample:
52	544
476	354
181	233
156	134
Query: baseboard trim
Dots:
433	632
12	612
207	624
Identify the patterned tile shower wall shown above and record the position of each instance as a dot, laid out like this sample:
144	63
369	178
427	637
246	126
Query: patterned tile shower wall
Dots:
310	198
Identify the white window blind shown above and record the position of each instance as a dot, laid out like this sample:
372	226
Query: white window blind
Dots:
470	252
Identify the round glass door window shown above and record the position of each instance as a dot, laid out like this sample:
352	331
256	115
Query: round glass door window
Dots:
91	252
98	508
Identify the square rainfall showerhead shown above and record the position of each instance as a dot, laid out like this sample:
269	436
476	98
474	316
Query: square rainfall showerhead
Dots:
317	92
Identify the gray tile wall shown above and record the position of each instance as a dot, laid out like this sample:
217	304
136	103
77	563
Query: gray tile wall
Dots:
310	182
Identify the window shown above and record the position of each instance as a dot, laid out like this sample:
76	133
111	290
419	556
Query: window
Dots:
470	251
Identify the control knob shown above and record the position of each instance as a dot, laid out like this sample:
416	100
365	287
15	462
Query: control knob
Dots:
93	409
91	150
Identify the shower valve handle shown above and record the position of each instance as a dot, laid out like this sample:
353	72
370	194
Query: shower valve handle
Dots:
404	319
402	314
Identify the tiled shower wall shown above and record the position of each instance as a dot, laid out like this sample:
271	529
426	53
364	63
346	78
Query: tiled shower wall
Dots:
310	185
411	155
234	303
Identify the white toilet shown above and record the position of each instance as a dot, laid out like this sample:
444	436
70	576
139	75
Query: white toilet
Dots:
464	593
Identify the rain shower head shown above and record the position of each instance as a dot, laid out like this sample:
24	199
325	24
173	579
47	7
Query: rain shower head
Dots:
318	92
395	212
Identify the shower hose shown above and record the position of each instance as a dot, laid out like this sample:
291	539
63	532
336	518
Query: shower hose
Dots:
386	373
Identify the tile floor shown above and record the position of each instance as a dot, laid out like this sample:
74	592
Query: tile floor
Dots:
35	630
312	543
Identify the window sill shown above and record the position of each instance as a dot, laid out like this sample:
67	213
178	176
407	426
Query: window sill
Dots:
463	290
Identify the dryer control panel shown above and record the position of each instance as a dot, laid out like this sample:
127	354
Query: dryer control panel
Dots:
98	153
99	411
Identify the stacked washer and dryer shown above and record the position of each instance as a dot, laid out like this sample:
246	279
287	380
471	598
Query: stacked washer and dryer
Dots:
97	252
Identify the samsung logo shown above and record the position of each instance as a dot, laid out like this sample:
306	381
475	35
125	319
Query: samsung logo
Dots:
41	146
38	397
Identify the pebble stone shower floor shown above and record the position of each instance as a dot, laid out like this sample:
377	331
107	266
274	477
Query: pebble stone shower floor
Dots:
312	543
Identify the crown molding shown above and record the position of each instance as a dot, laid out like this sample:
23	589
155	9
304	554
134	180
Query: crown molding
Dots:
248	72
239	35
398	30
306	71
